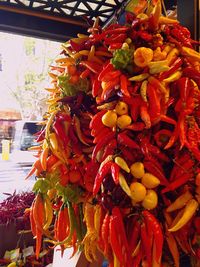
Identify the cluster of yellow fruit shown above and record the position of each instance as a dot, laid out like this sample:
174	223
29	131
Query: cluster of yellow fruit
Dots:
143	191
117	117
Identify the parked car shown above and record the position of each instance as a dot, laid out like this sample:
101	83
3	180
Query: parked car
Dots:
24	138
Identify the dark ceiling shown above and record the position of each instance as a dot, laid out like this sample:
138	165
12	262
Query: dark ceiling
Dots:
59	19
63	19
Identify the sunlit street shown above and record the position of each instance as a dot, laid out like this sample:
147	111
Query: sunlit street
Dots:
12	178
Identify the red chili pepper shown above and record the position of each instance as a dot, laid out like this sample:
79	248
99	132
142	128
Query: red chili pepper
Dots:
173	138
124	85
167	119
154	225
114	240
91	65
95	131
123	139
111	75
144	114
121	29
115	38
96	86
181	180
101	134
63	117
108	87
107	67
182	129
174	67
137	259
184	89
129	155
40	135
154	102
120	223
134	106
115	172
179	161
136	126
145	35
72	135
59	130
115	46
183	167
154	150
134	236
76	46
105	233
101	144
103	171
97	119
77	126
109	149
192	73
162	137
145	240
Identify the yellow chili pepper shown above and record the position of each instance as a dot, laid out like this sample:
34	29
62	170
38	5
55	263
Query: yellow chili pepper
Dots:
159	55
172	55
139	78
116	261
186	51
180	202
12	264
142	56
143	90
109	119
171	241
84	52
158	66
174	77
97	217
124	185
122	164
48	212
43	158
67	61
82	36
166	20
91	53
121	108
123	121
49	123
189	211
52	75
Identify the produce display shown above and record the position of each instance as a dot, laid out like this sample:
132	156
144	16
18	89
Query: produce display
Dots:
118	156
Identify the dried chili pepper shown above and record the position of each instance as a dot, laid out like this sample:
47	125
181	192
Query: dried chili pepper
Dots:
104	169
154	225
115	172
101	144
145	242
125	140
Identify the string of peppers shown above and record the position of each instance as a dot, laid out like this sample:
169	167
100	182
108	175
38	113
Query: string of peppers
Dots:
118	155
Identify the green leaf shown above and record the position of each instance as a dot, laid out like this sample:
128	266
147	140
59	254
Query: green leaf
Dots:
42	185
69	193
69	89
122	58
136	6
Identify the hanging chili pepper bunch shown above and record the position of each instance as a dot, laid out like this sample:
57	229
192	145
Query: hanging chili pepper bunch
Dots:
118	157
